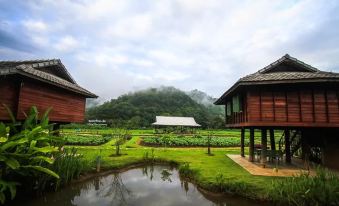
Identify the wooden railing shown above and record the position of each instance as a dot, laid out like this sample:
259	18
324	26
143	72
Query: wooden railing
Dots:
235	118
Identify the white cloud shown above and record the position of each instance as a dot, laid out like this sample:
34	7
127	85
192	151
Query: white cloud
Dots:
66	43
35	25
204	44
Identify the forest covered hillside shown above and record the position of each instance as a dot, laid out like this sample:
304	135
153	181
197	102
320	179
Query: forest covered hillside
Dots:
138	109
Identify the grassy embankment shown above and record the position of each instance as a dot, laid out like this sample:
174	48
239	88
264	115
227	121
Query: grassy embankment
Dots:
215	173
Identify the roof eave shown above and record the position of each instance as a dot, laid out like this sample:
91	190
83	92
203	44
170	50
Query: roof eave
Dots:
85	94
220	101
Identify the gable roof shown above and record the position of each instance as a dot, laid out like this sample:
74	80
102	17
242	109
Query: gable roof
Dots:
175	121
51	71
287	69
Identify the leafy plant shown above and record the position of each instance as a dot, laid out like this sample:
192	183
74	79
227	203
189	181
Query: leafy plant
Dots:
25	150
74	139
200	141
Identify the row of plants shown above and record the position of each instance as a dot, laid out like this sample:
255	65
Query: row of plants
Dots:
32	160
73	139
197	141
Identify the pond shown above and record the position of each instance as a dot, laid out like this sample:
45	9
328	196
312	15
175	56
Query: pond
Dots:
149	185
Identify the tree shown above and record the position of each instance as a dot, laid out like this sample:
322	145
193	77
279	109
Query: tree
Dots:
121	136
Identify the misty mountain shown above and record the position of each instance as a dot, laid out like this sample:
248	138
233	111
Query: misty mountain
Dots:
138	109
206	100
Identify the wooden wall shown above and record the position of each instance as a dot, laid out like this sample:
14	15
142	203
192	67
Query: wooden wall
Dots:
304	107
66	106
9	96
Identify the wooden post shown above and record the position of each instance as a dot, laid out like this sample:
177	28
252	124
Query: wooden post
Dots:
287	146
263	158
242	142
305	151
251	156
272	140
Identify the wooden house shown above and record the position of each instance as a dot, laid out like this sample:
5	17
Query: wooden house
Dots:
292	96
44	84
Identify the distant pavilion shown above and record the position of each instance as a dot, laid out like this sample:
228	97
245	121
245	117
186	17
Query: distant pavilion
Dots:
165	122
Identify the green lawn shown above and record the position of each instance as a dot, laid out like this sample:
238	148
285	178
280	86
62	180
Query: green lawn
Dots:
235	178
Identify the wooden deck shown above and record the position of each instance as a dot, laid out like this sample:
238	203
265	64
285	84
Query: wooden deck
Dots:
283	170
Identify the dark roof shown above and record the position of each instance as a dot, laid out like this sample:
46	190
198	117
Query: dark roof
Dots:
287	69
56	74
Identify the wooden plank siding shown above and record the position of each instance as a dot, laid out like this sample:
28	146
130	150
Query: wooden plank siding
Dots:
9	97
295	108
66	106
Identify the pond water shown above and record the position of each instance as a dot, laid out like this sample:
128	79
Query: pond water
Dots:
149	185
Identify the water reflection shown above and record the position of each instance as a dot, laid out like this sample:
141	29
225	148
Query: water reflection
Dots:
151	185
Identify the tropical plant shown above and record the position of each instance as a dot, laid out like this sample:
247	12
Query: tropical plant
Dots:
25	150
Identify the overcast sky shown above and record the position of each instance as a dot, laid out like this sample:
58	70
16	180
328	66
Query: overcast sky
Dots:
113	47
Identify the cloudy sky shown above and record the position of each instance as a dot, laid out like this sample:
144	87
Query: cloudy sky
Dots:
113	47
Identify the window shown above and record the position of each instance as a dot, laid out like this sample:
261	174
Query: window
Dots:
237	104
228	109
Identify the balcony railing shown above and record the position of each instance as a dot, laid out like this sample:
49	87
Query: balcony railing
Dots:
235	118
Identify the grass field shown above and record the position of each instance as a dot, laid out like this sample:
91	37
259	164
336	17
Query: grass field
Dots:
208	168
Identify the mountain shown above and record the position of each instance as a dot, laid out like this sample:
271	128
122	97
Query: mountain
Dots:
206	100
138	109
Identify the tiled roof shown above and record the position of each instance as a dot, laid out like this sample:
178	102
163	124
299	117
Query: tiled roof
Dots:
277	76
175	121
287	69
30	69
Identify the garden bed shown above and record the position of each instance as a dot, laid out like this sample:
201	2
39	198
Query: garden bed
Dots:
87	140
199	141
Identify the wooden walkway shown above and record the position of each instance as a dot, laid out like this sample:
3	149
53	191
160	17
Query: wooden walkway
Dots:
255	168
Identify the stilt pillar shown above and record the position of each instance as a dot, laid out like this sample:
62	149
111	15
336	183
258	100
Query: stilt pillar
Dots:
251	149
263	158
287	146
242	142
272	140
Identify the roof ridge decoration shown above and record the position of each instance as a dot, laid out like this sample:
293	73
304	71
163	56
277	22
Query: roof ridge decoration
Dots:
288	58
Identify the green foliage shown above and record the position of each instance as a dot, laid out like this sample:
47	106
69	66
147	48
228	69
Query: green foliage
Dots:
201	141
186	171
138	110
26	152
82	126
323	189
121	136
68	164
75	139
149	157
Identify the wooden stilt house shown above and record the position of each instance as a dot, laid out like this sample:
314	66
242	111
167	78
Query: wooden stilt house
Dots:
44	84
291	96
